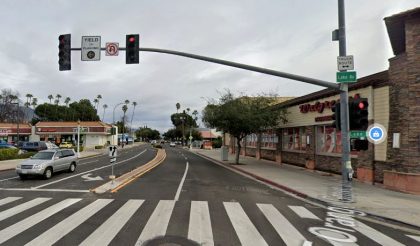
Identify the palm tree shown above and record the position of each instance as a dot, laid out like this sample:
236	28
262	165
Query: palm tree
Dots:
50	97
99	97
132	116
95	102
105	107
124	109
127	102
56	101
34	104
58	96
178	106
28	98
67	101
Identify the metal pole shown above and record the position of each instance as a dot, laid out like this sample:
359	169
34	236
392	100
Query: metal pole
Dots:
346	168
319	82
78	139
17	116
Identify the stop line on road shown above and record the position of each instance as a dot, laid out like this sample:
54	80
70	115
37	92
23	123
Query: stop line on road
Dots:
200	225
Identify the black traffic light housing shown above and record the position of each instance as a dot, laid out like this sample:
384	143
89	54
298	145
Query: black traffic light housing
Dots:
132	49
359	144
336	116
64	52
358	114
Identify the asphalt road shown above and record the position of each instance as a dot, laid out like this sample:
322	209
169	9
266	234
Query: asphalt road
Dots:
187	200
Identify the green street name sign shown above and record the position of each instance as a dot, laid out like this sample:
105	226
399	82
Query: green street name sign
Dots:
357	134
346	77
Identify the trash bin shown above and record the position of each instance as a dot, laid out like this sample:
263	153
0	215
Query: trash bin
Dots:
224	153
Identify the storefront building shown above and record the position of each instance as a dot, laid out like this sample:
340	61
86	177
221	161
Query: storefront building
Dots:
9	132
91	133
309	140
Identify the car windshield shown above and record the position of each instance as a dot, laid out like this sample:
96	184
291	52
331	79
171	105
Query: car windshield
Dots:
43	155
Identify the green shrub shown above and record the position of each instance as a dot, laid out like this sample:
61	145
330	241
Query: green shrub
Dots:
26	155
8	154
81	148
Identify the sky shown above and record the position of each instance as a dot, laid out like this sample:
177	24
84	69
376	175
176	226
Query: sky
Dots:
284	35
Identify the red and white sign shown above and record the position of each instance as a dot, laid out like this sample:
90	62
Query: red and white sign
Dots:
111	49
4	132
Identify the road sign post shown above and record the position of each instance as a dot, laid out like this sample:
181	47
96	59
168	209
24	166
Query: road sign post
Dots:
346	77
358	134
345	63
112	153
91	48
112	49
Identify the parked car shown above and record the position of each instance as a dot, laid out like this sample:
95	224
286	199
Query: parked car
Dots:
172	144
66	145
38	146
46	162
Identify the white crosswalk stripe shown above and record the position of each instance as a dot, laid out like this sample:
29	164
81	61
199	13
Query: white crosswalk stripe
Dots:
27	223
246	231
8	200
110	228
22	207
199	229
303	212
375	235
61	229
289	234
158	221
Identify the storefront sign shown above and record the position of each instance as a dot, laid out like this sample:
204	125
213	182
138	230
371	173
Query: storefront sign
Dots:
323	118
47	130
4	132
317	107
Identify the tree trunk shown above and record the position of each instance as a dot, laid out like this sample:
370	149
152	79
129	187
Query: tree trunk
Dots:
238	151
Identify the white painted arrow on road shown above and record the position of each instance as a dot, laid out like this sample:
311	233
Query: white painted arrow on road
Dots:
87	178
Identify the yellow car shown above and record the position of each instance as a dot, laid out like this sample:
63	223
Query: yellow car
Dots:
66	145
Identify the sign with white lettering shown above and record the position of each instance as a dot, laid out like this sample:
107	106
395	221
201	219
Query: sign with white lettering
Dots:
91	48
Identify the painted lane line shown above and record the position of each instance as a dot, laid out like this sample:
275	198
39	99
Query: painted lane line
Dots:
245	230
9	178
110	228
50	190
82	164
307	243
8	200
178	192
287	232
27	223
303	212
22	207
417	238
199	229
67	225
158	221
92	170
375	235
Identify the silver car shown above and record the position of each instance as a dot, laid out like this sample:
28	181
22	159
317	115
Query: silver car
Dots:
46	162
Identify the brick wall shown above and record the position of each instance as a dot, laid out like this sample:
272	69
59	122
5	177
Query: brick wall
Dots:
268	154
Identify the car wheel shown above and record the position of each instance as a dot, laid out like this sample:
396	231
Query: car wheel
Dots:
72	167
22	176
48	173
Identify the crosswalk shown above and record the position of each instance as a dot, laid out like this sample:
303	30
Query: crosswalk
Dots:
48	221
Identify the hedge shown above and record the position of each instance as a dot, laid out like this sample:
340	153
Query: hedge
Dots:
10	154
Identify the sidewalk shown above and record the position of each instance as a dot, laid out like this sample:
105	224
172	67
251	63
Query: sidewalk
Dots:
325	188
11	164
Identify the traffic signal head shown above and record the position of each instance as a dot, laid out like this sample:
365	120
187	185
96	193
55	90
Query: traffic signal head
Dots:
358	113
132	49
336	116
64	52
359	144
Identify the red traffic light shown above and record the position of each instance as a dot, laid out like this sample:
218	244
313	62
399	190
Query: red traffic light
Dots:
131	39
363	105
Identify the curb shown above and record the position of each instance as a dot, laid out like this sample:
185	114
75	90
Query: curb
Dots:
301	194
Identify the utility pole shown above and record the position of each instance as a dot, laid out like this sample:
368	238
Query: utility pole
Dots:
346	168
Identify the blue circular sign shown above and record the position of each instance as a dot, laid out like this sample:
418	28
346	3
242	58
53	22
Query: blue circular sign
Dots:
376	133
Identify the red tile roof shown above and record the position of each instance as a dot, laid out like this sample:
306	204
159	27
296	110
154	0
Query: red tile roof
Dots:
14	125
71	124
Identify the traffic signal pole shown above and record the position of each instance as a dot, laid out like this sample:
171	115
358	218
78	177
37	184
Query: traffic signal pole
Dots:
346	169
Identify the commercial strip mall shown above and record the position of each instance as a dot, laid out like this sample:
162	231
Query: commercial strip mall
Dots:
92	134
309	140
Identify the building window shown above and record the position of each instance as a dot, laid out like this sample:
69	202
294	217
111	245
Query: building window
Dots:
269	139
251	140
328	140
294	138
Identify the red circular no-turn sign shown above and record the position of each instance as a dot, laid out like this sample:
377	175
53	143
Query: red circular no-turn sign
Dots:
111	49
